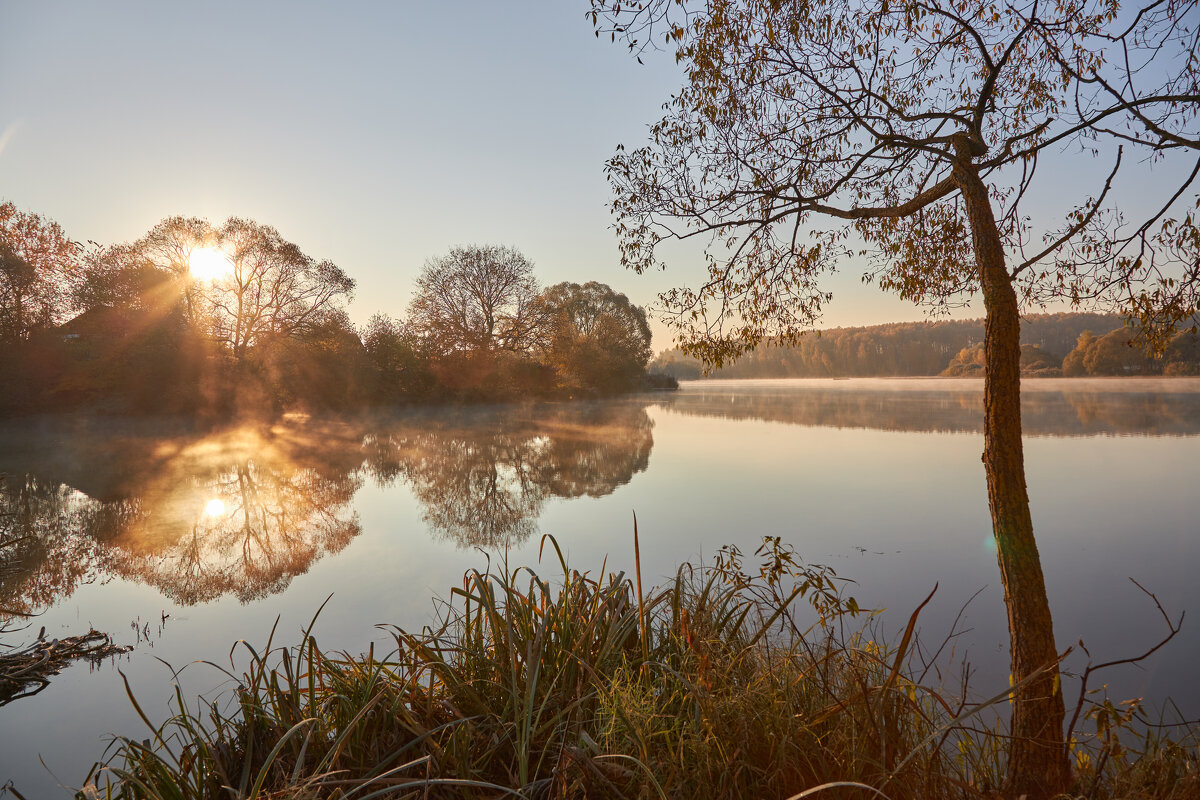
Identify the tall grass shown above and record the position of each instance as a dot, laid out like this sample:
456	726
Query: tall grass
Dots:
721	683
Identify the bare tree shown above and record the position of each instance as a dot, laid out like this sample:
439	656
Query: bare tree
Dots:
273	288
478	298
167	249
915	129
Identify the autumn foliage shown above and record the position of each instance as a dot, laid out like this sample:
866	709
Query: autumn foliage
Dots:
136	328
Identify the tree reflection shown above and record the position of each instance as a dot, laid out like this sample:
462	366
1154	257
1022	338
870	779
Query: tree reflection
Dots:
483	475
478	488
236	513
43	555
241	512
1070	407
247	531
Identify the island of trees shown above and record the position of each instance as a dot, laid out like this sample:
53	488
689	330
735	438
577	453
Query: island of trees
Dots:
197	318
1052	345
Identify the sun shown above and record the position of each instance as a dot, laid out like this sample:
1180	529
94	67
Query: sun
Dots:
209	264
214	508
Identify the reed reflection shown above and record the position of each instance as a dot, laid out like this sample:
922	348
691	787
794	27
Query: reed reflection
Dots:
1073	407
484	475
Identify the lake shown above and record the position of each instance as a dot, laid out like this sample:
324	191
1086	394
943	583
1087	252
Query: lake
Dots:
180	540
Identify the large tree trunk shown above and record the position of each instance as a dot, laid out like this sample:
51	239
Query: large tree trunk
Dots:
1038	765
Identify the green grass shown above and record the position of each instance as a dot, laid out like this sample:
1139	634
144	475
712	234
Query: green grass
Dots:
721	683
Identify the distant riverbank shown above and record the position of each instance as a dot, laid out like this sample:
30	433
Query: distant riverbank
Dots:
1052	345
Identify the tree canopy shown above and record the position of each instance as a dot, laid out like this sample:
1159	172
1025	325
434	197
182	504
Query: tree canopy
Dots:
36	265
595	336
1050	347
481	297
273	290
236	319
166	250
859	113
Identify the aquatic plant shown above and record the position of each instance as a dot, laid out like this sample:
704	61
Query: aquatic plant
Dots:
725	682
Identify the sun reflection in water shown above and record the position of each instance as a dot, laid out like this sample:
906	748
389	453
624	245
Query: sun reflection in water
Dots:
214	507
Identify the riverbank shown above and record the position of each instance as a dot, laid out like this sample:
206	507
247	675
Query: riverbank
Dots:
753	677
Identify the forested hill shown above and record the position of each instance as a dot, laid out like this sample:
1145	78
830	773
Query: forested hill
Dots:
1052	344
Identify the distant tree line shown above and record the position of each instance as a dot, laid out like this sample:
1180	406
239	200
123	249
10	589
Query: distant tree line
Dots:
197	318
1070	344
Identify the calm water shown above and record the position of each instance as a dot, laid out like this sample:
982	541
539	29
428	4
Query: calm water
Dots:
181	541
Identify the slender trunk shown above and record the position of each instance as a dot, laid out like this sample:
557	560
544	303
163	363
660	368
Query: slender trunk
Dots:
188	291
1037	763
20	334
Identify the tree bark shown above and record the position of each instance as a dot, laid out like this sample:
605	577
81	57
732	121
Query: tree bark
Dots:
1038	765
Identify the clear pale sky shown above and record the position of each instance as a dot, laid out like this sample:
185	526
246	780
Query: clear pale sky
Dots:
374	134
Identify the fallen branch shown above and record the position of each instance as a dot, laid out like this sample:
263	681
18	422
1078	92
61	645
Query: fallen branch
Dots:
26	671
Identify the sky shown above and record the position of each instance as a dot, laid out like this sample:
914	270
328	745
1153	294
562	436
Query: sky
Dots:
376	135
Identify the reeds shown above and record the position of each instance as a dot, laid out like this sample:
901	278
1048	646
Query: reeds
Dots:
719	684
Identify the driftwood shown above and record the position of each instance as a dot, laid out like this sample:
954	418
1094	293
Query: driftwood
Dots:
27	670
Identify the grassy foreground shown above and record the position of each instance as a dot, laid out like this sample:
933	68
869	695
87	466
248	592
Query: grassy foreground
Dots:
720	684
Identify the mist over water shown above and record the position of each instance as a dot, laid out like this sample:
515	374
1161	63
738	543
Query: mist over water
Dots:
200	537
1049	407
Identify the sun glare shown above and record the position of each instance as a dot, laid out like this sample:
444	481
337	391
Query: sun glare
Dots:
209	264
214	508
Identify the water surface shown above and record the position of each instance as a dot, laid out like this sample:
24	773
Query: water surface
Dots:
181	540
